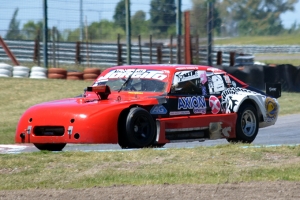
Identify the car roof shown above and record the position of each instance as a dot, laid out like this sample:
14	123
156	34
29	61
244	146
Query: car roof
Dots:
170	67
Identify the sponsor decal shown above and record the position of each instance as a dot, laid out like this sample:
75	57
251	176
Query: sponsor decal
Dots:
136	73
214	104
226	130
158	110
271	108
180	112
271	89
183	76
187	75
215	84
228	102
197	103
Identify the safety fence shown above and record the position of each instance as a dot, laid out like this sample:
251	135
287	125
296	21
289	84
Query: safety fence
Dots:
108	54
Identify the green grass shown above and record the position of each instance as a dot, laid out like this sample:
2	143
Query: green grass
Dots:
260	40
19	94
201	165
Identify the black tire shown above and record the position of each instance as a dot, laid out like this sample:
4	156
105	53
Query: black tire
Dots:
140	128
246	125
122	136
50	146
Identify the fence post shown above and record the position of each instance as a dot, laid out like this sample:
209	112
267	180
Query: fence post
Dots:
178	30
171	48
119	61
150	46
232	58
197	49
36	52
77	56
210	32
53	47
187	37
140	50
159	54
219	58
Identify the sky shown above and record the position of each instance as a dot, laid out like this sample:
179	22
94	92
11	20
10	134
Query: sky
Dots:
64	14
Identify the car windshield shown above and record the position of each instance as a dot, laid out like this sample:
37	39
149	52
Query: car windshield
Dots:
140	80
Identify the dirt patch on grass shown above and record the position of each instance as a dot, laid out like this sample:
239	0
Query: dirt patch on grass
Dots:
252	190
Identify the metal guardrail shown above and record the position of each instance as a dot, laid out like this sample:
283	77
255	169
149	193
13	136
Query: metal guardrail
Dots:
99	54
253	49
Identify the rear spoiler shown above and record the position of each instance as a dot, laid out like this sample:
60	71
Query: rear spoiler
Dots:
273	89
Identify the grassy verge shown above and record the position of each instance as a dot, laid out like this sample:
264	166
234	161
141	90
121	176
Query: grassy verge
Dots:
19	94
220	164
260	40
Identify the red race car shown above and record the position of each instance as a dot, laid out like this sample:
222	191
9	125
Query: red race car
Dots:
151	105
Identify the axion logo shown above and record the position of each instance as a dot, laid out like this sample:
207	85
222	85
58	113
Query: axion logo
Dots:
195	102
215	104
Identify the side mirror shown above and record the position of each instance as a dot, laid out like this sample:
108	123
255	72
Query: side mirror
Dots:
102	91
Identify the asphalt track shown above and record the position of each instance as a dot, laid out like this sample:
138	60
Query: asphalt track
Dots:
286	131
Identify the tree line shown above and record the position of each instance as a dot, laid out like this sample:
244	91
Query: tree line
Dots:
230	18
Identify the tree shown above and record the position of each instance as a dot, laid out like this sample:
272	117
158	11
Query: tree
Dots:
13	32
199	19
104	30
257	17
162	15
120	14
31	29
139	25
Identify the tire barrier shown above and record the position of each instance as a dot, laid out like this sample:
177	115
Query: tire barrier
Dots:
5	70
38	72
57	73
258	75
90	74
74	76
21	72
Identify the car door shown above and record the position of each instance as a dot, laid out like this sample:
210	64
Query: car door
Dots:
188	93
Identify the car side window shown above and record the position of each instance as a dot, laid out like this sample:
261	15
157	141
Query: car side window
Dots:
189	82
216	83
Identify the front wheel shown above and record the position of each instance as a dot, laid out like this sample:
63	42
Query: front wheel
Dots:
50	146
246	124
140	128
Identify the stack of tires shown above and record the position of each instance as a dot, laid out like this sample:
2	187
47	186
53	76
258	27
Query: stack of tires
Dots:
38	72
57	73
74	76
90	74
5	70
20	72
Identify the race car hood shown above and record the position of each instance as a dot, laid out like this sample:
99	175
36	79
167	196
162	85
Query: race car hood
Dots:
86	106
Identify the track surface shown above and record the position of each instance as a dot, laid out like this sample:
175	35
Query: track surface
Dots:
285	132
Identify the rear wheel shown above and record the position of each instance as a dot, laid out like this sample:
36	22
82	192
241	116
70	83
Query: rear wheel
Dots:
50	146
140	128
246	124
